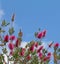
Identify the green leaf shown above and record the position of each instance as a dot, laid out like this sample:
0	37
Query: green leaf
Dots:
34	60
4	23
39	42
36	34
1	30
58	56
11	31
1	62
4	50
1	58
7	24
59	50
0	38
33	53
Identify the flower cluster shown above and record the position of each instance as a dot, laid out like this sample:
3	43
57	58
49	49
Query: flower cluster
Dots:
33	53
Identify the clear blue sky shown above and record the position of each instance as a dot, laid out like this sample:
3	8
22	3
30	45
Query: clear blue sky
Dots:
34	14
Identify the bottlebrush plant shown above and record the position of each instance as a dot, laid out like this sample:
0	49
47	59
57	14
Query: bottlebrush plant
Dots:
33	53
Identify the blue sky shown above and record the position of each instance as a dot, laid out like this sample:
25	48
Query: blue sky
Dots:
34	14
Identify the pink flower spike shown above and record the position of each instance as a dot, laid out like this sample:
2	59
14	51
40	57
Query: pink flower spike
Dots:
11	46
21	53
6	38
40	48
36	44
28	57
49	54
56	45
23	49
12	37
46	58
44	33
40	35
50	44
17	43
40	55
11	52
32	48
